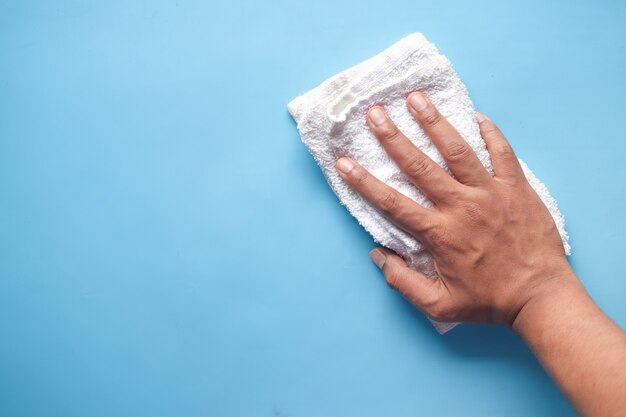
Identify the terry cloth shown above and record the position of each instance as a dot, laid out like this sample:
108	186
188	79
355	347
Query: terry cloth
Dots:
331	121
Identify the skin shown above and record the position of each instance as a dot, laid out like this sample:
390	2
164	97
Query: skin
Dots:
497	252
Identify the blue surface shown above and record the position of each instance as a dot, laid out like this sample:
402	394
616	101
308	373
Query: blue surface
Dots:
169	248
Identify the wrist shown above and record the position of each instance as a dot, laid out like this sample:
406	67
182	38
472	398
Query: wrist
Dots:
554	296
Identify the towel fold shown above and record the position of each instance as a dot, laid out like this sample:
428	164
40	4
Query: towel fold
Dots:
331	121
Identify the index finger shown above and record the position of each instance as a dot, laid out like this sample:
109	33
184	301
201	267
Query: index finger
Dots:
397	207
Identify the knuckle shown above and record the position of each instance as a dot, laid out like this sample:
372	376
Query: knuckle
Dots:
478	208
504	150
437	233
489	128
457	151
388	203
391	135
418	166
431	118
392	279
456	195
422	224
473	211
438	311
361	177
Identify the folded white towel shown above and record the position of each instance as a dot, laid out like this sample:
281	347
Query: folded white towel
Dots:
331	121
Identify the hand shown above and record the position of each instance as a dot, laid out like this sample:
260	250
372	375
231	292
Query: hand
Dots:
498	255
494	243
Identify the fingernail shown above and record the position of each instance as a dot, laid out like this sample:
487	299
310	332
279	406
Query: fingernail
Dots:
378	257
345	165
481	117
377	116
418	102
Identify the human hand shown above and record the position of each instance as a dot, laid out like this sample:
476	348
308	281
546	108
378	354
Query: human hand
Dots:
493	241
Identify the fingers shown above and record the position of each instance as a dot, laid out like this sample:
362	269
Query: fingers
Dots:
459	156
423	292
400	209
422	171
505	163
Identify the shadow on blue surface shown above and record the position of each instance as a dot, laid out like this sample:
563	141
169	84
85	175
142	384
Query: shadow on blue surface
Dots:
475	340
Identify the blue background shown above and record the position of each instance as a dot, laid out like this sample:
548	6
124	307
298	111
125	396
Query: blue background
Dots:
169	248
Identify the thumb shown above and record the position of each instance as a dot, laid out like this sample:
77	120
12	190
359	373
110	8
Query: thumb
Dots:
421	291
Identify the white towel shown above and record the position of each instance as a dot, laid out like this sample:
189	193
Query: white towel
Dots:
331	121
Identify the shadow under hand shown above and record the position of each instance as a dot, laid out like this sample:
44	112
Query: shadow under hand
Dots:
489	342
472	340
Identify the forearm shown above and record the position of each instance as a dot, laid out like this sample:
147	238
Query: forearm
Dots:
578	345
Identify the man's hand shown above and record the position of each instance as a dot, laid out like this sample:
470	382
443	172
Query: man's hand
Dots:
498	255
494	243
